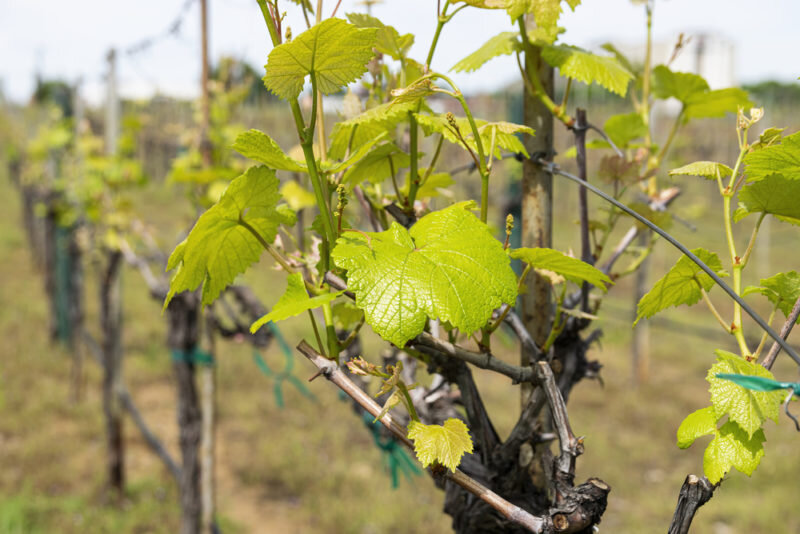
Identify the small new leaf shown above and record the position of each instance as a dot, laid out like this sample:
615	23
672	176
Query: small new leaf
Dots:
293	302
220	247
703	422
448	266
260	147
502	44
572	269
707	169
334	52
443	444
775	159
681	284
388	40
782	289
622	129
748	408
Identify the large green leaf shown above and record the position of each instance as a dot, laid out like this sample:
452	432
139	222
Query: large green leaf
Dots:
774	194
782	289
698	99
388	40
219	247
333	51
260	147
448	266
776	159
732	447
572	269
501	44
707	169
679	85
702	422
715	104
293	302
748	408
444	444
586	67
681	284
622	129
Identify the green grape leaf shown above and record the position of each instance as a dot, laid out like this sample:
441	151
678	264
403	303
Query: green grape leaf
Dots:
443	444
432	185
707	169
774	194
219	247
502	44
332	167
702	422
367	126
622	129
346	315
622	58
768	138
546	14
679	85
388	40
448	266
572	269
747	408
378	165
775	159
485	4
260	147
504	133
782	289
334	52
732	447
297	196
715	104
588	68
293	302
681	284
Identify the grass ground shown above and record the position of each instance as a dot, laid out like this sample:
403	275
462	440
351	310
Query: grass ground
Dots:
312	467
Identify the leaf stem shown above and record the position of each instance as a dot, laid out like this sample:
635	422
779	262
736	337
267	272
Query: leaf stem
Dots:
413	173
763	341
409	403
442	20
713	309
316	334
752	242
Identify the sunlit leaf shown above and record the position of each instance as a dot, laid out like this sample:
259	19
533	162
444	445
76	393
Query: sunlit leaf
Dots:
293	302
442	444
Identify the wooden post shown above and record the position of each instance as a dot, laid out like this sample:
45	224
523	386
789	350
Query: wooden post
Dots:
537	206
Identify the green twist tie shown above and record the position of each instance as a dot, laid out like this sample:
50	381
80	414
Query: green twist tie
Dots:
395	458
286	375
195	356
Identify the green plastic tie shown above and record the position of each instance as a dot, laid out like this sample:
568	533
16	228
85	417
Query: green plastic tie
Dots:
195	356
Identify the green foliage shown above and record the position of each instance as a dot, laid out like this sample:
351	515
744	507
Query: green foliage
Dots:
379	164
387	41
448	266
220	246
710	170
296	196
782	289
702	422
683	284
443	444
293	302
333	52
367	126
747	408
572	269
698	100
732	447
576	63
260	147
504	133
775	195
781	159
502	44
624	128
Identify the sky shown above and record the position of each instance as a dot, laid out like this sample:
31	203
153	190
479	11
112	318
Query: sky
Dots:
70	39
